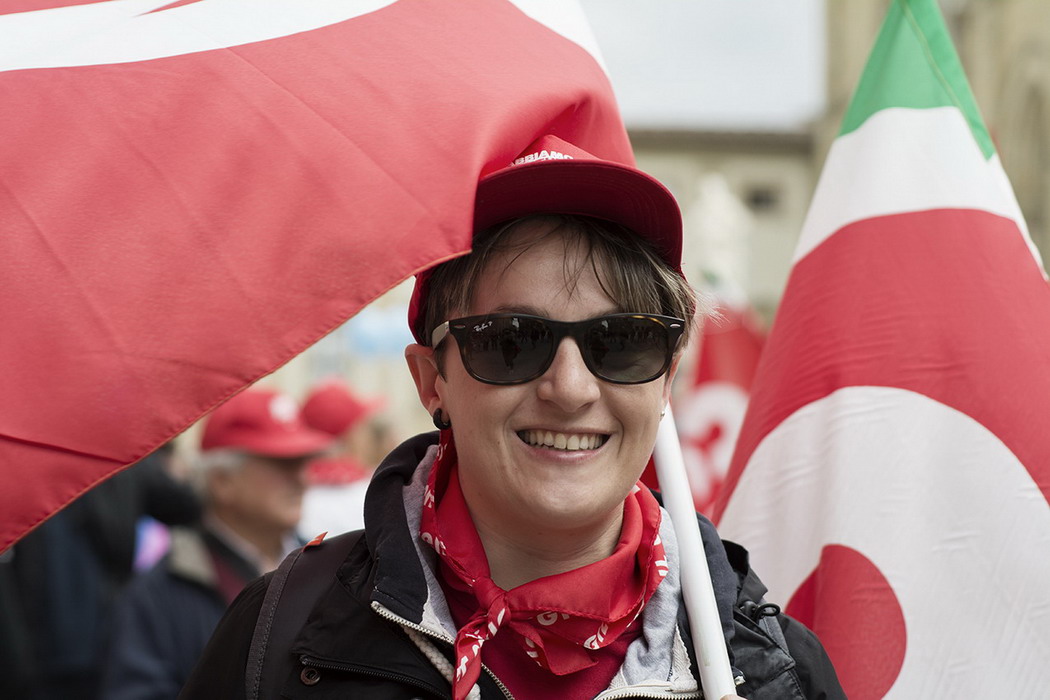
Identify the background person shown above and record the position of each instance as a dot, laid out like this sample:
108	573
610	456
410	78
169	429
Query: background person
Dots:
58	585
254	450
518	538
335	498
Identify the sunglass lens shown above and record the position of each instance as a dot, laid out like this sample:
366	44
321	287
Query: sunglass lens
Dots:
508	349
628	350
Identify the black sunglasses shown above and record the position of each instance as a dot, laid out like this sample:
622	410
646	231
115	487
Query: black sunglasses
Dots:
517	348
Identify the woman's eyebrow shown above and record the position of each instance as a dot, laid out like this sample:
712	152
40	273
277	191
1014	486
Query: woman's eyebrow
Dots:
528	310
525	309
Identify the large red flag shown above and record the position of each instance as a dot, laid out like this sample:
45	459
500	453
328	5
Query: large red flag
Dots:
893	472
191	193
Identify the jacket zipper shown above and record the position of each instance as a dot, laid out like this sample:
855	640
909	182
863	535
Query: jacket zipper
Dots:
635	692
620	693
336	666
393	617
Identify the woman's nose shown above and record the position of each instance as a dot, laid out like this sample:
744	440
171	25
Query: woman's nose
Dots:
567	382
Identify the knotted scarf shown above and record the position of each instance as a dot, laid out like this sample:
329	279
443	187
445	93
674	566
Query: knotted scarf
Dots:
557	619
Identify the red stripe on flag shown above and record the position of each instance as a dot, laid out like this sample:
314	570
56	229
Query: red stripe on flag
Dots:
11	7
916	301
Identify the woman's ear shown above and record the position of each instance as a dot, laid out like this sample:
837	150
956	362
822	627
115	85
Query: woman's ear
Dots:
669	378
423	366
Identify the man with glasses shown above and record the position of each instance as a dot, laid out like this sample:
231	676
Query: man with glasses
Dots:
514	553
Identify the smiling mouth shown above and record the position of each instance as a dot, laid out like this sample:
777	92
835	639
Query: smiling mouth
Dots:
562	441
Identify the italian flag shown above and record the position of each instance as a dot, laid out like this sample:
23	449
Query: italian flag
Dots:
892	476
194	191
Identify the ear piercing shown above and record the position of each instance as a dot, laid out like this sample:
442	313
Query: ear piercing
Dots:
440	422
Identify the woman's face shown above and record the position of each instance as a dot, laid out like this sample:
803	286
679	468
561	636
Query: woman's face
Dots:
511	483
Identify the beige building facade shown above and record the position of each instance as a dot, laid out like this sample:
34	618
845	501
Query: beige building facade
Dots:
740	246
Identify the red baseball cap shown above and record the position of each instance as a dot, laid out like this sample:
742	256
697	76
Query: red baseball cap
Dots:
552	176
262	422
333	408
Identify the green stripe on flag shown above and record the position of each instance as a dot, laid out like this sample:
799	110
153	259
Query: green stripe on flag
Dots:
914	65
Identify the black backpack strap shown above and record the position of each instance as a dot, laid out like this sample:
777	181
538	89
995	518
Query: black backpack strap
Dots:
282	616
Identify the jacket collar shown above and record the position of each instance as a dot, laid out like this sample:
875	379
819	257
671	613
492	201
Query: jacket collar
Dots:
190	557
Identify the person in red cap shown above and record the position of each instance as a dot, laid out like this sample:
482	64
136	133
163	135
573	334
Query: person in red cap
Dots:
334	500
514	553
251	475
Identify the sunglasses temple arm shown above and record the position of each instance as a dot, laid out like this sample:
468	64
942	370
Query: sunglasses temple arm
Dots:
716	676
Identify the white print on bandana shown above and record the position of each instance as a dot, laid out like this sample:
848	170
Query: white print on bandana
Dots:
661	564
480	636
597	640
494	627
434	542
549	618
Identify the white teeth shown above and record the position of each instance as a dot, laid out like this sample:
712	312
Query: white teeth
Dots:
562	441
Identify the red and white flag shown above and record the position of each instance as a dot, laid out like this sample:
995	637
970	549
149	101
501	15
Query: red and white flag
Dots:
893	472
710	412
193	192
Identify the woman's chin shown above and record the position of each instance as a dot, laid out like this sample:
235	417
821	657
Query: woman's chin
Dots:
573	511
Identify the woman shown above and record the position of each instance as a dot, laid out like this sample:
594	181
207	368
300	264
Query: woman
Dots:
514	553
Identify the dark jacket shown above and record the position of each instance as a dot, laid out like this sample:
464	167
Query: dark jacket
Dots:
376	630
167	614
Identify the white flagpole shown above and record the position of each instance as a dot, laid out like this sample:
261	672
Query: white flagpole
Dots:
716	676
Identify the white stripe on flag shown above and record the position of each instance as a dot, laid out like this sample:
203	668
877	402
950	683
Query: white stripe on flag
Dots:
915	159
938	504
125	31
567	19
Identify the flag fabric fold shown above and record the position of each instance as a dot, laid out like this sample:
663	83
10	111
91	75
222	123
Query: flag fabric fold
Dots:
191	194
892	477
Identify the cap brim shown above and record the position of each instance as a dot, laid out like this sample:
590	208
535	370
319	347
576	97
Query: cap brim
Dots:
600	189
299	444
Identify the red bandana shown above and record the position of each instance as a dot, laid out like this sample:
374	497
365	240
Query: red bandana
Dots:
555	619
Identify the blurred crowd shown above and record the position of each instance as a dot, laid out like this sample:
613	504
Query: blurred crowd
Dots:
115	596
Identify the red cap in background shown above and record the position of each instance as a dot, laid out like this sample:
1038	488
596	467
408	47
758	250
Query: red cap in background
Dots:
263	422
334	409
553	176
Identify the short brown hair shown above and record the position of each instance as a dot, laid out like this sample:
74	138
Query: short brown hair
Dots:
627	267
